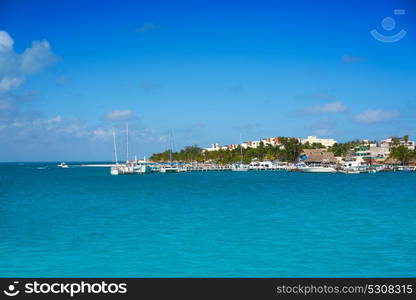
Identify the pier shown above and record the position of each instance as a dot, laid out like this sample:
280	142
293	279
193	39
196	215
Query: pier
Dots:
152	167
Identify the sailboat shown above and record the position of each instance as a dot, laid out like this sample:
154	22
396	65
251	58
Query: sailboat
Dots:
170	168
128	168
240	167
141	166
115	169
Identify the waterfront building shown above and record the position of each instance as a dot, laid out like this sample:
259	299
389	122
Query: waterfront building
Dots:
362	152
318	156
253	144
214	147
379	154
315	140
369	143
232	146
273	141
369	150
394	141
244	145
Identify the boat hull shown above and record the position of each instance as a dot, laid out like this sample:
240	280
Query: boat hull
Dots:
169	170
317	170
239	169
142	169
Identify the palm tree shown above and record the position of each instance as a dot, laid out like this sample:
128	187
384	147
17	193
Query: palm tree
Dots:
402	153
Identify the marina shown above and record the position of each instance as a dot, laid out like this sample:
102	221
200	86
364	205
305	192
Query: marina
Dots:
148	167
311	155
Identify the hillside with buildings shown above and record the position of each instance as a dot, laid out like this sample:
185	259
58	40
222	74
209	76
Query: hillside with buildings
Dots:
312	149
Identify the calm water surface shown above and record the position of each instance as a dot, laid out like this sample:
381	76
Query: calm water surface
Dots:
84	222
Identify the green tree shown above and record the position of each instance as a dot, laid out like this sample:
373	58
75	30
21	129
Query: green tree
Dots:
342	149
291	151
403	154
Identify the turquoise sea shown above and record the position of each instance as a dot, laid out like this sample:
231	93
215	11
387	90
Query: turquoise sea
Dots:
83	222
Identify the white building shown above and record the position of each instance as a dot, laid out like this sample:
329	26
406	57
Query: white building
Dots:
244	145
214	147
253	144
393	141
369	143
274	141
379	153
313	139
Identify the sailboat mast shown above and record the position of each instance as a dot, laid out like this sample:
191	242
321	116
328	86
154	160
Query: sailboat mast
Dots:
115	146
241	151
170	146
127	142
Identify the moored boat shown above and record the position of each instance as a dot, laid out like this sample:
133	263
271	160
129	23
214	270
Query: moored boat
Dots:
239	168
349	171
169	169
318	169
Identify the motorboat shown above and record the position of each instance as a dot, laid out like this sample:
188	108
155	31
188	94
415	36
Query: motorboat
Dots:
63	165
318	169
239	168
169	169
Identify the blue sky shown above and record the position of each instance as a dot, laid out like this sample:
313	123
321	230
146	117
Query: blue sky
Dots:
210	70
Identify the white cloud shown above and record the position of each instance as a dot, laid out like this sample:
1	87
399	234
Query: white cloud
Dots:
7	83
15	67
119	115
163	138
37	57
101	134
376	115
6	41
333	107
31	126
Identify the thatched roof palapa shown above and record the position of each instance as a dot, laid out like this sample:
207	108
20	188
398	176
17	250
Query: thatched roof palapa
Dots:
319	156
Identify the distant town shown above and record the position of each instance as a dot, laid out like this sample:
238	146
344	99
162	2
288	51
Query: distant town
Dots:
310	155
392	150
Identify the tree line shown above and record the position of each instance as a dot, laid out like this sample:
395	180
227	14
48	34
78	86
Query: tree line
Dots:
289	150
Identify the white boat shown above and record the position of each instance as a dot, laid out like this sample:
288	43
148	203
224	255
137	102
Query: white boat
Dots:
183	169
142	168
114	170
349	171
122	170
355	167
63	165
318	169
239	168
169	169
128	167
